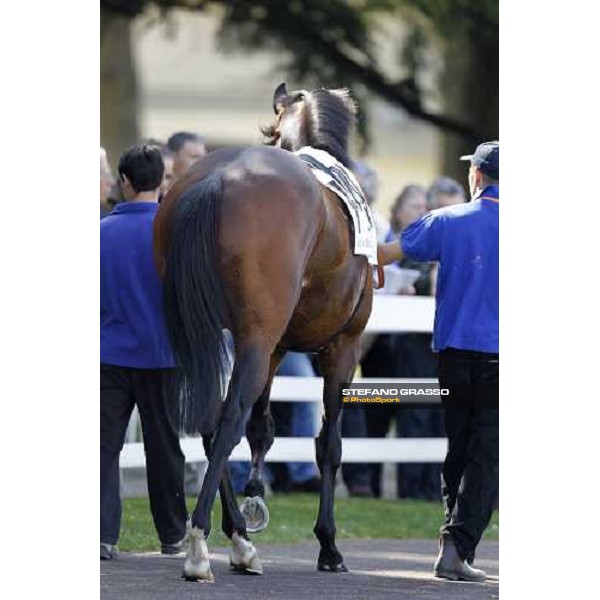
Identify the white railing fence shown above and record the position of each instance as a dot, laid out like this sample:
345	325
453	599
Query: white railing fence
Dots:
391	314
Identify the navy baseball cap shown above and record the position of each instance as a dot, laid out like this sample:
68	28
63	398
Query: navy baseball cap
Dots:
486	158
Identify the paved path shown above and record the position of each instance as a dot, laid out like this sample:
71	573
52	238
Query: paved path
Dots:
378	569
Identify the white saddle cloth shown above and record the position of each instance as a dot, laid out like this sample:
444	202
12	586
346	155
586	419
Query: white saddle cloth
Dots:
336	177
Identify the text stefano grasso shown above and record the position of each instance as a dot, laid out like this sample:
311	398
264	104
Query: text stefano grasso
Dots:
396	391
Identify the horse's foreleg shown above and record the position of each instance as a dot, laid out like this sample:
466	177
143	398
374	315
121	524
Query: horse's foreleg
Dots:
337	361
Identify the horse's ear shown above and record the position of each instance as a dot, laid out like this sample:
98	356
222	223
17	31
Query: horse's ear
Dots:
346	97
279	98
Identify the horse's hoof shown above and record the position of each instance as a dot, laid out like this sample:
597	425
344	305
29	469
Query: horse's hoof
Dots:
256	514
204	577
254	487
328	568
244	557
254	569
197	565
197	571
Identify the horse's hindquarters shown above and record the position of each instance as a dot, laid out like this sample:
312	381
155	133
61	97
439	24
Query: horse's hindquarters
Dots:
328	306
269	225
335	283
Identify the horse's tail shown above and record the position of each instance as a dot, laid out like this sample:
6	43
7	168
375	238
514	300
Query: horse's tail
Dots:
196	305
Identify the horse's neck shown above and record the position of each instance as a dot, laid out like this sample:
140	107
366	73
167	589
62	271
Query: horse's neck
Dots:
294	144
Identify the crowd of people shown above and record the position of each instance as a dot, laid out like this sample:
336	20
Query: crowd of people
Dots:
146	173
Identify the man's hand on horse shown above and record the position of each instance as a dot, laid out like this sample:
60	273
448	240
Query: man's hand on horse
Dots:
389	253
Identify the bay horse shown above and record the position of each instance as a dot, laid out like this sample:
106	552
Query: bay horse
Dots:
248	241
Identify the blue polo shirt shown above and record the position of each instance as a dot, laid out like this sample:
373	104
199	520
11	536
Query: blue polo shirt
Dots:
133	330
464	239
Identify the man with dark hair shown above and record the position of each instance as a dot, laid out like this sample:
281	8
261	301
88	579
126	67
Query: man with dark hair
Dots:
464	239
188	148
136	362
168	157
444	191
141	170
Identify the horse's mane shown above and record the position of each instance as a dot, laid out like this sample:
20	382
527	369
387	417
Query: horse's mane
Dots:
330	119
329	116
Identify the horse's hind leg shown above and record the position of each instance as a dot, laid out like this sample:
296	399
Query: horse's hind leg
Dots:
249	376
260	432
244	556
337	362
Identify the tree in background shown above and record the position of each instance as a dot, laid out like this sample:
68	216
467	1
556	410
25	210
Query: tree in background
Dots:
332	43
119	109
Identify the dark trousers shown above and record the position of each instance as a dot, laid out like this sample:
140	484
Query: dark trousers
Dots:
354	425
404	355
152	390
378	362
282	413
413	357
378	420
420	481
414	480
470	471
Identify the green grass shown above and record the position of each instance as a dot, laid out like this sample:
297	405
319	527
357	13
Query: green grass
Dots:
293	517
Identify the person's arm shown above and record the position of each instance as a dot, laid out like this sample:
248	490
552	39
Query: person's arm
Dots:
420	241
389	253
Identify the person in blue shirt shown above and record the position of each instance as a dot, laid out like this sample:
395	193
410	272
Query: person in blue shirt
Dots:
136	362
463	239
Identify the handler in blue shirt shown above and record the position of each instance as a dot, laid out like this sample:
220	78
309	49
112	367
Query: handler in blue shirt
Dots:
136	363
464	240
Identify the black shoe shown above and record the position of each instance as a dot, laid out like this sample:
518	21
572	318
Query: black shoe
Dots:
449	565
176	548
108	551
312	486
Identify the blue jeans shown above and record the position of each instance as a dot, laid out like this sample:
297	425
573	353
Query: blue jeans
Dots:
303	414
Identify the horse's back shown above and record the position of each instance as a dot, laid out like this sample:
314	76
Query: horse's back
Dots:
272	190
284	245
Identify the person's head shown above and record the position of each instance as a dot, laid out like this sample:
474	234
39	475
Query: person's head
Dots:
187	148
410	205
168	177
485	166
368	180
444	191
141	169
106	177
168	159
